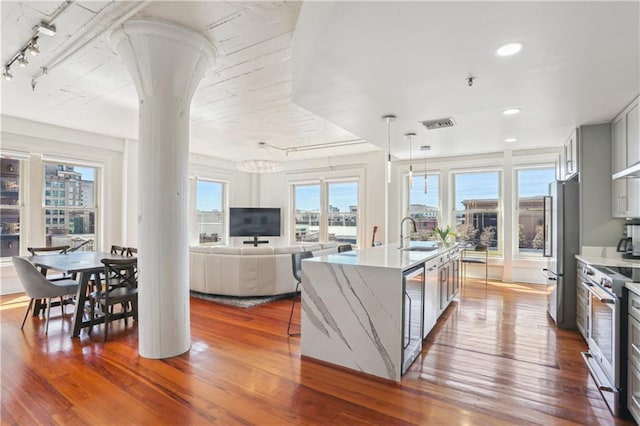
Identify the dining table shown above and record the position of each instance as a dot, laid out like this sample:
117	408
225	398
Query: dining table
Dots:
84	264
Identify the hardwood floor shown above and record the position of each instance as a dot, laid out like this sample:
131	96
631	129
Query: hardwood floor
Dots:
493	359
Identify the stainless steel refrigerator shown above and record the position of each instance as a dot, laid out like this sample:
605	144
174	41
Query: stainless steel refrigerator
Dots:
561	244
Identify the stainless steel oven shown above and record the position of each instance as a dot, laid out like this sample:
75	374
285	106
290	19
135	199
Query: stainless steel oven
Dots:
606	358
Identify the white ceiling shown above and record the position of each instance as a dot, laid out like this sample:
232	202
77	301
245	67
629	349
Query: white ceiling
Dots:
297	75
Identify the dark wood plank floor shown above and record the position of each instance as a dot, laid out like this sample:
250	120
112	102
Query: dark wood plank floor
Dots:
493	359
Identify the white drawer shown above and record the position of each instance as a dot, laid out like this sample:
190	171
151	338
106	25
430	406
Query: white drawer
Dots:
633	350
634	305
633	392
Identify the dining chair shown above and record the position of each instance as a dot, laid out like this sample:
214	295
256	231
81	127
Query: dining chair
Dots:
296	265
479	248
132	251
121	250
344	247
120	289
38	286
39	251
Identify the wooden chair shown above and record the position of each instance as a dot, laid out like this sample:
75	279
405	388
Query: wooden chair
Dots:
296	264
39	251
121	250
120	289
38	286
479	248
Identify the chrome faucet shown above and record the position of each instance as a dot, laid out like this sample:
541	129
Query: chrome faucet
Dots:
401	229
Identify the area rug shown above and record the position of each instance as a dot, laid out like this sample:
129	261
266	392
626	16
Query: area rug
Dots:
239	302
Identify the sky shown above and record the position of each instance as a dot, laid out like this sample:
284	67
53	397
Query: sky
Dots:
480	185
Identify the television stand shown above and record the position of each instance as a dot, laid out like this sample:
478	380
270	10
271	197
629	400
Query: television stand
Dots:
256	241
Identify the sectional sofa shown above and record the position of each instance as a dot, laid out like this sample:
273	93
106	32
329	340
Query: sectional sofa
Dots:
247	271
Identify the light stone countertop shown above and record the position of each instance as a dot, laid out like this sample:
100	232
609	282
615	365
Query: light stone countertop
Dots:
386	256
608	261
633	287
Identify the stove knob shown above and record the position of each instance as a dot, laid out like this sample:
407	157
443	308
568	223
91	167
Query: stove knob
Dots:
605	282
588	271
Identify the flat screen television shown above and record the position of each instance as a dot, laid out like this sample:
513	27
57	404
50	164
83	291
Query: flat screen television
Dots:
254	222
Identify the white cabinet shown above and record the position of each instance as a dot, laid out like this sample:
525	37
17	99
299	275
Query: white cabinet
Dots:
582	302
431	296
618	162
571	155
567	166
633	133
625	152
633	356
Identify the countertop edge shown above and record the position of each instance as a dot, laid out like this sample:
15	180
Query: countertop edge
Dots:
608	261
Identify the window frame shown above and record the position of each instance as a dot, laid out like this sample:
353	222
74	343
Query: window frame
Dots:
517	254
224	208
97	196
499	210
20	206
323	219
406	199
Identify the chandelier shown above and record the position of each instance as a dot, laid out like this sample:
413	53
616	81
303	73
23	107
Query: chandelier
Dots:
262	165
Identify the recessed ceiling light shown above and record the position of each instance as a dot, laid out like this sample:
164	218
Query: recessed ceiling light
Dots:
509	49
511	111
511	140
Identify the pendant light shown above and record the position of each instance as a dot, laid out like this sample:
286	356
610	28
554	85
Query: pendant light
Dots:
425	148
389	118
410	137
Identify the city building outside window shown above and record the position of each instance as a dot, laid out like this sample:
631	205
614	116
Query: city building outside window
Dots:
477	212
211	211
342	212
424	207
326	211
10	206
532	186
306	213
73	223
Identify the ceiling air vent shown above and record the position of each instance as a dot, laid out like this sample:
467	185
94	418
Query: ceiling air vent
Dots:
440	123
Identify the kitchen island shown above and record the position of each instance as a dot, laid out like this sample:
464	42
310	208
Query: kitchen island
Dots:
359	310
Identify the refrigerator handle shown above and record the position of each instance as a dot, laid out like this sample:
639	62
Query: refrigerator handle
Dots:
545	273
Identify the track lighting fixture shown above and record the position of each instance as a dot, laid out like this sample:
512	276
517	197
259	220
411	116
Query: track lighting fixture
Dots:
31	46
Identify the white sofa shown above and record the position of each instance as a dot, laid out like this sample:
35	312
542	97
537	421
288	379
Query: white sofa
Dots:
247	271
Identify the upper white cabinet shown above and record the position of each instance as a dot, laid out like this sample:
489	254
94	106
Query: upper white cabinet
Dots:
625	152
568	163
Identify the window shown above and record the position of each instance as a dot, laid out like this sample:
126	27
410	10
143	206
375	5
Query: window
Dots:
342	211
210	210
75	223
424	207
306	212
326	211
476	209
10	207
532	186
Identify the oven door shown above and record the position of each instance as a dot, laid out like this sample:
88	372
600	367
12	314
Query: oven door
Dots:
603	331
603	340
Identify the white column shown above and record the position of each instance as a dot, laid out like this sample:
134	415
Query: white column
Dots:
166	62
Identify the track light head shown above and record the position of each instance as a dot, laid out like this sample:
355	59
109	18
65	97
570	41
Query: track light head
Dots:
33	47
6	74
22	61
